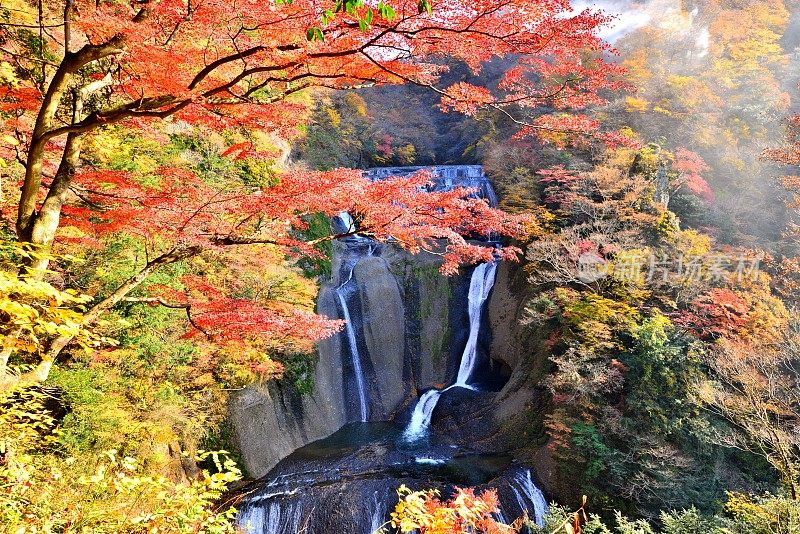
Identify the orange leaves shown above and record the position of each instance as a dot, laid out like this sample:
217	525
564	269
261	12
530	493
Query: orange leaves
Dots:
214	67
203	65
239	149
717	313
466	98
425	512
689	167
250	327
790	154
177	208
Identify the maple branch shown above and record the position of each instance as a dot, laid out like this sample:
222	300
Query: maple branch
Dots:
229	240
333	237
17	55
208	69
42	370
172	305
67	24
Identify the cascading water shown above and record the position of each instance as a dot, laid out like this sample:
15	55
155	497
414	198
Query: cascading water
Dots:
276	517
345	224
421	416
353	344
527	493
378	513
480	285
347	482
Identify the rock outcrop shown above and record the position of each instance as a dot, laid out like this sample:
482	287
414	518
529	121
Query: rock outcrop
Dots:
401	300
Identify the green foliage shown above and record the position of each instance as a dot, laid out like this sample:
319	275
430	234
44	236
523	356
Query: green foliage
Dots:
689	521
746	514
43	489
319	225
596	454
99	418
299	372
663	367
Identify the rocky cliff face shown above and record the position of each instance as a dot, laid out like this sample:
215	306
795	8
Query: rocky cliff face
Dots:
402	309
410	323
408	318
411	334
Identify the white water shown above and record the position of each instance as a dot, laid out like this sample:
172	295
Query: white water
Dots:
274	519
479	287
527	492
351	338
378	514
350	329
421	416
347	221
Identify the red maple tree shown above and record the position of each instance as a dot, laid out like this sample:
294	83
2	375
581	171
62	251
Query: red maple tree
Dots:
717	313
689	167
222	64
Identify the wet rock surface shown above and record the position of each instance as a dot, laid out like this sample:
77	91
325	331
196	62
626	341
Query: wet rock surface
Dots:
348	481
417	345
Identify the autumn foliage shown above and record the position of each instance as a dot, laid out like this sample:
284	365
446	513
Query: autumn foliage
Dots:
160	69
427	513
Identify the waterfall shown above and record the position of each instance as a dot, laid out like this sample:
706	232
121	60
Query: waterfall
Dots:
275	518
527	494
345	223
421	416
378	514
352	342
346	482
479	287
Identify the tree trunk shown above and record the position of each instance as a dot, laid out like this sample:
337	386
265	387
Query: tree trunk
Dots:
72	63
47	219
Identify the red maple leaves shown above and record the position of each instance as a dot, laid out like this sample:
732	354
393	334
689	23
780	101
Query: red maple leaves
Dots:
717	313
183	210
217	64
690	167
219	316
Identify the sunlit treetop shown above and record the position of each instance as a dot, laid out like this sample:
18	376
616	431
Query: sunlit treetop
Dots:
218	62
233	66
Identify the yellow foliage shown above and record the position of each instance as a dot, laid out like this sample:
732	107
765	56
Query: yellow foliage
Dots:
637	69
692	243
355	101
764	514
630	266
8	75
36	311
636	105
42	492
334	117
